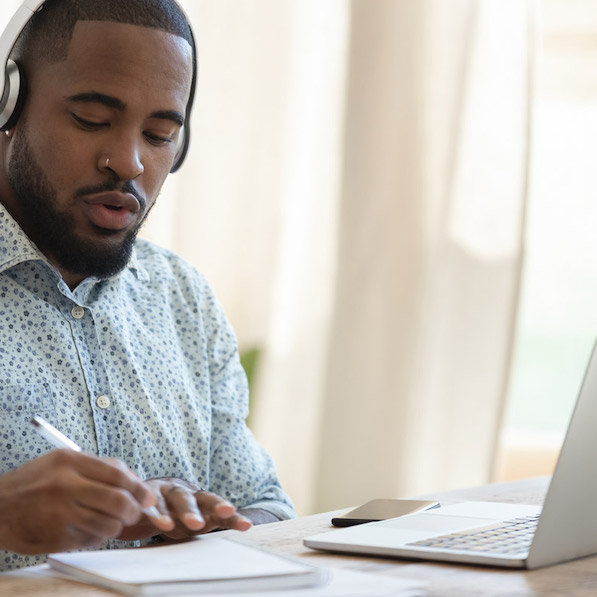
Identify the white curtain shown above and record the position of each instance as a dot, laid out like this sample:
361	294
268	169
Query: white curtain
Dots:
396	287
387	358
355	192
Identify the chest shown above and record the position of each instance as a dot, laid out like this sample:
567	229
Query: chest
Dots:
111	372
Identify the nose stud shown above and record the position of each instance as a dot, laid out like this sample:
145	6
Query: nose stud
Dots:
103	163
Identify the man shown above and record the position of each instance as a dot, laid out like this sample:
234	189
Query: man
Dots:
117	343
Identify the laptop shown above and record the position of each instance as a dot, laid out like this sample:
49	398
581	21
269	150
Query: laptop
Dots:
501	534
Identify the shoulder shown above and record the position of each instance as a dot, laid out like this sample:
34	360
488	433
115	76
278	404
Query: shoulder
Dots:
157	260
174	283
164	271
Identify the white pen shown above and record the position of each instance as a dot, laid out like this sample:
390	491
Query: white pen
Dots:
61	441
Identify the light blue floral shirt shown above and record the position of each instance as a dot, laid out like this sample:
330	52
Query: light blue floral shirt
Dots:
142	366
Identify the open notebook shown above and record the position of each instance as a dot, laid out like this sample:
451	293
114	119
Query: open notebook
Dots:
501	534
205	564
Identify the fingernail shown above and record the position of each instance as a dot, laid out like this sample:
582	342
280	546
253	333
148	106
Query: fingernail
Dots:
152	512
226	509
157	516
193	518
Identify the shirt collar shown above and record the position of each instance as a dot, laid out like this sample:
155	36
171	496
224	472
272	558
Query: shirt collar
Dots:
16	247
135	265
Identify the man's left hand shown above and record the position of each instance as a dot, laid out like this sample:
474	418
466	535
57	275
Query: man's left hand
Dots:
191	510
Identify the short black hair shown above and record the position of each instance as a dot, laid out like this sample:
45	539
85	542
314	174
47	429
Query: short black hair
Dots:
48	34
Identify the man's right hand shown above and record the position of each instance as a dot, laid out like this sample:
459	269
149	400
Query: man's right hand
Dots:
68	500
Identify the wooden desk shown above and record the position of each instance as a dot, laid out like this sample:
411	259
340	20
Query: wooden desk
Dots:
573	579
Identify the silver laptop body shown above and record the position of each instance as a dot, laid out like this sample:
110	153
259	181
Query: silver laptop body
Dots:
564	529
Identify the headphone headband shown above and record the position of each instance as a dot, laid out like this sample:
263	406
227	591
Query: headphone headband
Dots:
12	78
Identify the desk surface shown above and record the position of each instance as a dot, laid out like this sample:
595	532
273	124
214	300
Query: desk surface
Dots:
573	579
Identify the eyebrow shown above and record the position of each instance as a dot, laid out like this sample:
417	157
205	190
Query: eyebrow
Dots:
94	97
177	117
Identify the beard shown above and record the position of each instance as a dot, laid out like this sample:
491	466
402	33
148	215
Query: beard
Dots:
53	229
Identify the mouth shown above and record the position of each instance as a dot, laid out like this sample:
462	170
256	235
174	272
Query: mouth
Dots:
112	210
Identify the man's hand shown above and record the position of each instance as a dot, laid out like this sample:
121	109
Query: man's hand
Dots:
192	510
67	500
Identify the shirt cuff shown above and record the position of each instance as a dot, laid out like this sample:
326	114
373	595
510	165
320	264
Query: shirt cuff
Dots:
278	509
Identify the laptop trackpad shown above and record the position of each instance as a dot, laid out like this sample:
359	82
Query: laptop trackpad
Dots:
436	523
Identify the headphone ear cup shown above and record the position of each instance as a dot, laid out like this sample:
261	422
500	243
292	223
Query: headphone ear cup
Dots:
13	98
183	146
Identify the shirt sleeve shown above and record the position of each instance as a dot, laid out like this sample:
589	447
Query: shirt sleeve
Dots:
240	468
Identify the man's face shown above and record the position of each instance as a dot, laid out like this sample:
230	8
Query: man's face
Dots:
120	95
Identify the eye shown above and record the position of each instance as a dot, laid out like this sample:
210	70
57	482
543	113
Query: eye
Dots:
89	125
157	139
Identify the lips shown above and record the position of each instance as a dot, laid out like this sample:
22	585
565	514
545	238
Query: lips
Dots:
111	210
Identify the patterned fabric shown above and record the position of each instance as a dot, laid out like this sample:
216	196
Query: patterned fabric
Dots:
142	366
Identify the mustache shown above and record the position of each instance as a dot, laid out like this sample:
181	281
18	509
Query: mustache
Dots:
122	186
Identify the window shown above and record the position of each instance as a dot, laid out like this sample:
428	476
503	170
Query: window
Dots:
557	321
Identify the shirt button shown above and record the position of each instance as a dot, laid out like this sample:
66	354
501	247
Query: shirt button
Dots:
77	312
103	401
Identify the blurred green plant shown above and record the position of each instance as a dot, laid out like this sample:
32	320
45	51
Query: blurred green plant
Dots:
249	359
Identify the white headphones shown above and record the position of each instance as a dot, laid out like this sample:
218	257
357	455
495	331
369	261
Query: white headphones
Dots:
14	84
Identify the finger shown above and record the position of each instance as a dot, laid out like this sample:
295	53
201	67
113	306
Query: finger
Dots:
108	500
163	520
72	487
109	509
124	477
237	522
93	523
220	513
181	502
112	472
112	500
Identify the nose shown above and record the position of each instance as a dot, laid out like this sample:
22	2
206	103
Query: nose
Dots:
123	158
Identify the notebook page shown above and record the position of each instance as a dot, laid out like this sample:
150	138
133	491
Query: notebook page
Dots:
203	558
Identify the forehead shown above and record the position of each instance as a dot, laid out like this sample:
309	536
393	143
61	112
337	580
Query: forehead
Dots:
125	61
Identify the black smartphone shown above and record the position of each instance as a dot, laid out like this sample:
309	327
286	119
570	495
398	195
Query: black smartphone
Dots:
382	509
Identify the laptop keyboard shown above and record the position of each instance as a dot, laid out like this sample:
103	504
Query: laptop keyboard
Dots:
509	537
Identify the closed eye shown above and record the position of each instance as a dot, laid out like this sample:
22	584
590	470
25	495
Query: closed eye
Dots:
157	139
89	124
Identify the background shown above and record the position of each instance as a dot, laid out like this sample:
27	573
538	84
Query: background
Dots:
395	202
